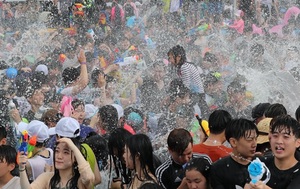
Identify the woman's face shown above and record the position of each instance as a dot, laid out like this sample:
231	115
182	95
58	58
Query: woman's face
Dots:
128	158
195	179
79	113
64	157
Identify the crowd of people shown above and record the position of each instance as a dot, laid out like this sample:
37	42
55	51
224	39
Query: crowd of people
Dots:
149	94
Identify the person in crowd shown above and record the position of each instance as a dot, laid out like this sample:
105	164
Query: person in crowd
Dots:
3	135
41	157
297	114
258	112
215	97
68	127
188	72
179	111
138	155
196	174
107	120
239	23
8	163
180	146
75	81
71	170
283	165
231	171
237	105
213	145
116	147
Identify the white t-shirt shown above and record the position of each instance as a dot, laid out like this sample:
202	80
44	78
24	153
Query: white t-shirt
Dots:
13	183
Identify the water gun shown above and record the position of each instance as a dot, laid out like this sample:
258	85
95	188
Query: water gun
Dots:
127	60
78	9
203	125
131	48
257	169
202	27
27	145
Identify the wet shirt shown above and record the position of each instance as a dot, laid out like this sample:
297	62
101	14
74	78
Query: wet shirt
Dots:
289	179
228	174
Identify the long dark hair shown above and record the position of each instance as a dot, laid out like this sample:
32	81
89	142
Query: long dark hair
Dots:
73	182
117	141
140	145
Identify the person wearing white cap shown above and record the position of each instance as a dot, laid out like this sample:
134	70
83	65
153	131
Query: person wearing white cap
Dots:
68	127
71	170
41	156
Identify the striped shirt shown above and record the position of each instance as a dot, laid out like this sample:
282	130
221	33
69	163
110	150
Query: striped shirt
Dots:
190	75
170	174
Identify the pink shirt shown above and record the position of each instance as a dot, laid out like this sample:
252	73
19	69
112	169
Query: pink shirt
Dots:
238	25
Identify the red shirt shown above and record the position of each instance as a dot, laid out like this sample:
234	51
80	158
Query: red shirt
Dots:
214	152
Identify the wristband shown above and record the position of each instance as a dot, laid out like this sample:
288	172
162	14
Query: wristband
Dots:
82	63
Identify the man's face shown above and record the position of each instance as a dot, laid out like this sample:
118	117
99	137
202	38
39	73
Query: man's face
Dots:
5	168
283	143
37	98
184	157
246	146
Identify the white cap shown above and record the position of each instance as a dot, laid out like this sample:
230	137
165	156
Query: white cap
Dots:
51	131
67	127
42	68
120	110
90	110
38	129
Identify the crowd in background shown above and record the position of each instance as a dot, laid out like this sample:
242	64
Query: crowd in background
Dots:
149	94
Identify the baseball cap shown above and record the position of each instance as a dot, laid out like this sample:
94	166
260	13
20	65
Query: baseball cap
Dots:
67	127
119	109
38	129
42	68
263	129
90	110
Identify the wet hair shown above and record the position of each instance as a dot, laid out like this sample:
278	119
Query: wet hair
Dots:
209	57
297	114
70	74
285	122
73	182
99	146
177	89
178	51
117	141
3	133
218	121
236	87
50	115
257	50
201	165
178	140
9	154
150	185
259	110
76	103
239	128
30	90
275	110
38	78
22	81
109	117
140	146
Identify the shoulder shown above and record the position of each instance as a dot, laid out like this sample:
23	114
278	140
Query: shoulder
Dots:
204	156
163	167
